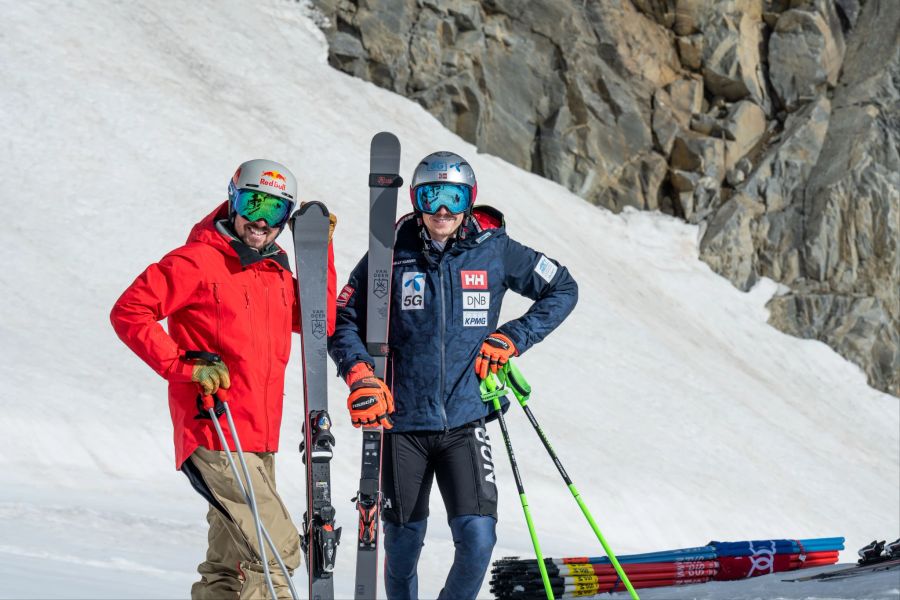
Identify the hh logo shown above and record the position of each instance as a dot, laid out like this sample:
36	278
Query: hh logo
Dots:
413	296
474	280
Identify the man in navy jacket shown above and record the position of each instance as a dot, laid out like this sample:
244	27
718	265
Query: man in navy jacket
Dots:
453	263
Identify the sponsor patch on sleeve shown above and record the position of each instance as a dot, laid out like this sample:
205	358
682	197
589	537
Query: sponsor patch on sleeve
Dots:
546	268
345	295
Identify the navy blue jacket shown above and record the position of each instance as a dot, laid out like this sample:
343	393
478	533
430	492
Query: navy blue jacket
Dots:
443	305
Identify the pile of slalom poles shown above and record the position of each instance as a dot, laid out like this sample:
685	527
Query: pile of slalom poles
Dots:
740	560
493	388
210	406
513	578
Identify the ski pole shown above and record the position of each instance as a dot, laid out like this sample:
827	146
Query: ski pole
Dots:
208	403
511	375
491	391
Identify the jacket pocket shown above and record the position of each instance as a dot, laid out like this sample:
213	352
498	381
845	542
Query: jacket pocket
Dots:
233	323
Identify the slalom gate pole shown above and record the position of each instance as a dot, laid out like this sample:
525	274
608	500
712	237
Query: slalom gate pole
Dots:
511	376
261	532
492	390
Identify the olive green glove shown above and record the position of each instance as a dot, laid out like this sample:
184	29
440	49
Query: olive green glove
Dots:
211	376
332	223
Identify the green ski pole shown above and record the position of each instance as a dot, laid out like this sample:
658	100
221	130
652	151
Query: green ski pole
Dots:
511	375
491	391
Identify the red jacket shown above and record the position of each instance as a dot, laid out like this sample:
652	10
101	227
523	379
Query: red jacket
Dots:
216	298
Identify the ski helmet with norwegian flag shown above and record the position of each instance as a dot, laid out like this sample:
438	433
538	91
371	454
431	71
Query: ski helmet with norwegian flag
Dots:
443	167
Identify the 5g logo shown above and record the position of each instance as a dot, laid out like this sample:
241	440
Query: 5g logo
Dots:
413	295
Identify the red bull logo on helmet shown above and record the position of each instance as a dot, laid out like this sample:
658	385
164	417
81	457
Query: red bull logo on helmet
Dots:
273	179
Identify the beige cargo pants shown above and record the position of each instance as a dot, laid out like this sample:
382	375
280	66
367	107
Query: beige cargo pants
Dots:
232	569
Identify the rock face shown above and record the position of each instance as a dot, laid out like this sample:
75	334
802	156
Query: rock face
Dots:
775	124
563	89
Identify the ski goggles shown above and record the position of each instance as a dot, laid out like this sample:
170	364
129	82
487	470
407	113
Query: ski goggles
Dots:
254	205
455	197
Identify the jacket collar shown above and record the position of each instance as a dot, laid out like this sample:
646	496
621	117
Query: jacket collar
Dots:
248	255
215	230
484	223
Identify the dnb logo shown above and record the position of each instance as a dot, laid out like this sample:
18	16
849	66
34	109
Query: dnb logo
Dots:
474	280
413	295
273	179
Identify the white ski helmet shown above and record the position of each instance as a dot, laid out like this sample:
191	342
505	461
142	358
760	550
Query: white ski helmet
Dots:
262	175
443	167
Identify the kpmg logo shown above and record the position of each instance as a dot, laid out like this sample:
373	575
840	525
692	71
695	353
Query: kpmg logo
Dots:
475	318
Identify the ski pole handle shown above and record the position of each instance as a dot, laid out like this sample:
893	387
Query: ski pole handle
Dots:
210	357
208	402
492	389
513	376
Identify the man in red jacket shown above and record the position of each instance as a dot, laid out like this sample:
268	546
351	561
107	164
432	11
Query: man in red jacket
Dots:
228	290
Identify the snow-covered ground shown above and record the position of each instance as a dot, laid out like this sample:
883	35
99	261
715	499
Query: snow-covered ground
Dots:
681	415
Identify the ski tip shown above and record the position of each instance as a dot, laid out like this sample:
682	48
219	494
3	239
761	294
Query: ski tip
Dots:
307	206
385	143
384	136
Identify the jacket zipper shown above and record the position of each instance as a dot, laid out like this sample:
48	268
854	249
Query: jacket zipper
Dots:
218	317
268	364
443	327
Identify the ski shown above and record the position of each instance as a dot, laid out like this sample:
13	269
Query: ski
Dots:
853	571
319	536
875	556
384	164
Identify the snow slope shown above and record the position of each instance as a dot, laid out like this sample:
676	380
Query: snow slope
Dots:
681	415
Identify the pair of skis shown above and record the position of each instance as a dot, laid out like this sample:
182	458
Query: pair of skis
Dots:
310	227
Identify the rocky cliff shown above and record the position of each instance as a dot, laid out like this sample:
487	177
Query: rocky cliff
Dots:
774	124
